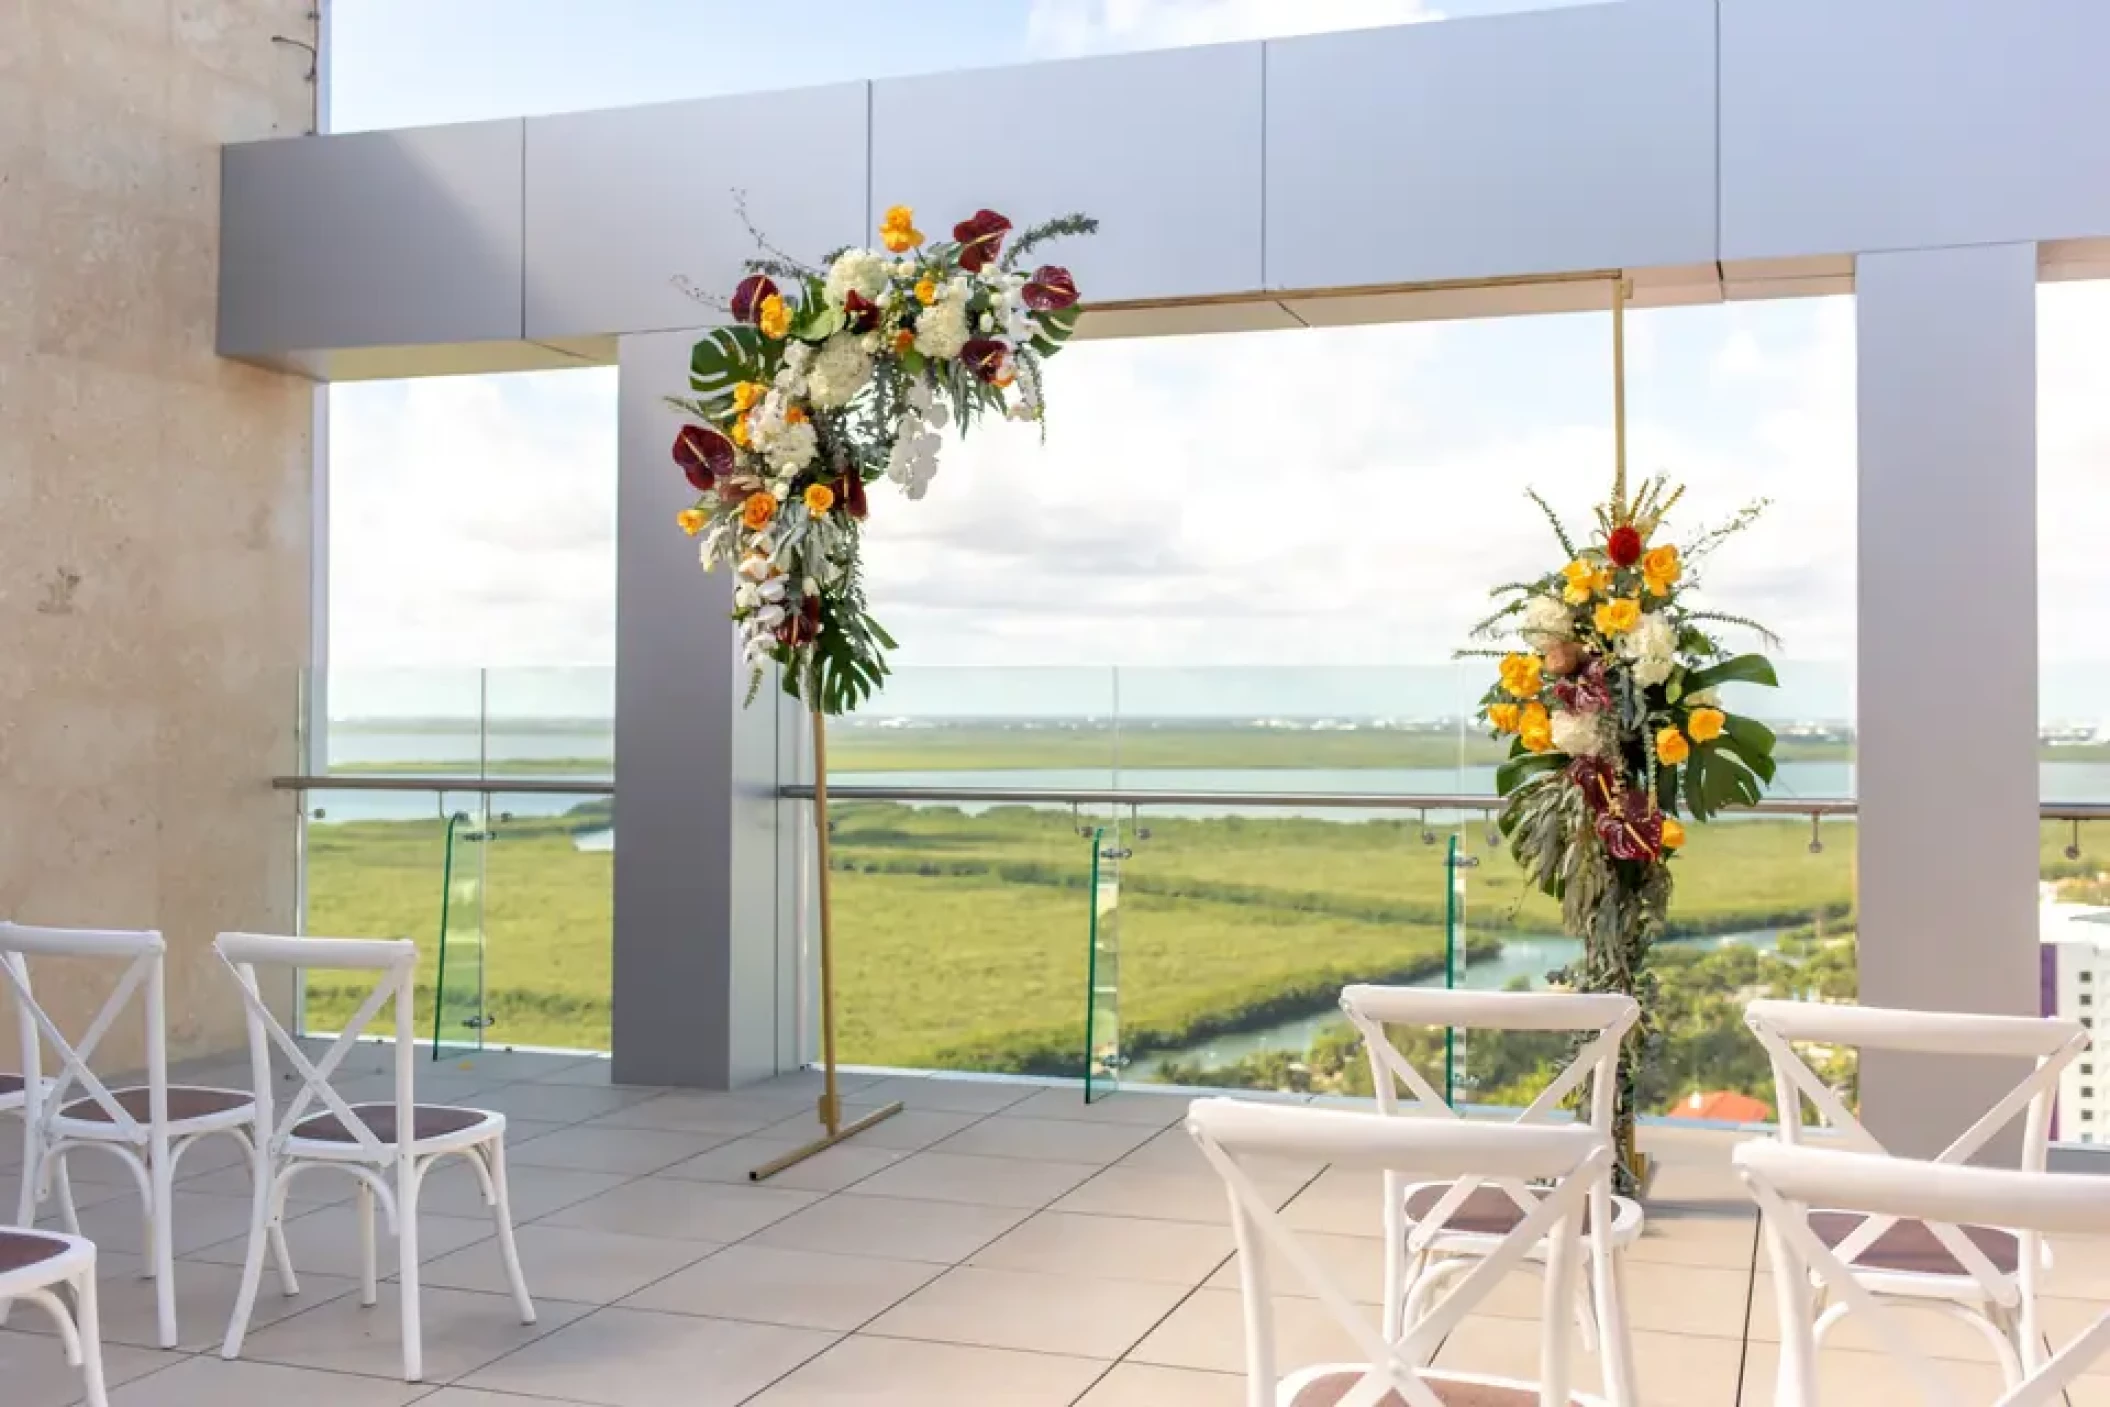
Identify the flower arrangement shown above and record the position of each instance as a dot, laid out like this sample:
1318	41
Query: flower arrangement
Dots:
1617	733
828	379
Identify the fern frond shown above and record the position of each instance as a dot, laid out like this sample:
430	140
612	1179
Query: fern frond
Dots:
1061	227
1553	518
1772	641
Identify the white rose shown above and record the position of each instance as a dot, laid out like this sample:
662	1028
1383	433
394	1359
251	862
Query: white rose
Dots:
840	371
857	271
1578	734
1546	620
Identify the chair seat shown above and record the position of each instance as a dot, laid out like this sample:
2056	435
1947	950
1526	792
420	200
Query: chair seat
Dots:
190	1108
1326	1387
1492	1213
21	1249
1910	1247
11	1090
429	1123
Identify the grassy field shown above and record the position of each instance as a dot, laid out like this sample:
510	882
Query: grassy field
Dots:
962	939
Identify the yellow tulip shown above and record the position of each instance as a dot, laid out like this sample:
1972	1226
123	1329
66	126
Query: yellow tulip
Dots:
1671	747
1706	724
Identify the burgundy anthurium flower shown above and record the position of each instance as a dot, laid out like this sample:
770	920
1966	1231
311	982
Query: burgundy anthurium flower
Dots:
702	455
981	239
860	314
1632	830
748	298
804	627
850	493
1593	775
1586	691
1050	290
987	358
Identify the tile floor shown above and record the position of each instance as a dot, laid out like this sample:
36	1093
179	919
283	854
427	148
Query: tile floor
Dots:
997	1243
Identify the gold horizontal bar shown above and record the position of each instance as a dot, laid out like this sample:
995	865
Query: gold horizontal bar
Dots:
1364	290
821	1145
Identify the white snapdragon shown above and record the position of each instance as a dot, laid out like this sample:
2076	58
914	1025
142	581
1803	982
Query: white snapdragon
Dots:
1545	620
1648	649
839	372
1580	734
860	271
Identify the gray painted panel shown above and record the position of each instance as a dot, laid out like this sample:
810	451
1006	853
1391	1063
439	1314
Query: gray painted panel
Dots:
695	987
1910	124
371	239
1163	147
621	203
1521	144
1947	859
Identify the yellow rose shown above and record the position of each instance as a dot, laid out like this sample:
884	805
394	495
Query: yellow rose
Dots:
740	435
1585	579
1673	833
926	291
1617	617
1504	717
1535	727
776	316
1521	675
748	394
819	499
1671	747
898	230
1705	724
692	520
1660	570
758	510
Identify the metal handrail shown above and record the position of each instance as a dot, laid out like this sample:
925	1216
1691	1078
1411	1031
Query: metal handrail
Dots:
1094	796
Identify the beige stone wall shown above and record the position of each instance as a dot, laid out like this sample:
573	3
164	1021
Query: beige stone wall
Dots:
154	499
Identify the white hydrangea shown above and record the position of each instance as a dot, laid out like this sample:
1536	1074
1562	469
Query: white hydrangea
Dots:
1580	734
1546	620
857	271
839	372
942	329
792	448
1648	649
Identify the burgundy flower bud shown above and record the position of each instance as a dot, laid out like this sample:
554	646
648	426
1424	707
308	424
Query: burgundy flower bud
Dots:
850	493
860	314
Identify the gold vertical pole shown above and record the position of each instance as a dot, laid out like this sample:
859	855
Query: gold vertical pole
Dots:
831	1107
1620	293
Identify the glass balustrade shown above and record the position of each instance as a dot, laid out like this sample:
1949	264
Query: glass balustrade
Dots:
2074	957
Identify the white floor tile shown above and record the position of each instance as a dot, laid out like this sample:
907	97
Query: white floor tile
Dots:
674	1207
891	1228
327	1240
211	1382
805	1289
630	1358
1114	1248
1087	1318
989	1182
587	1267
1058	1140
37	1375
462	1332
878	1372
830	1170
599	1148
1144	1385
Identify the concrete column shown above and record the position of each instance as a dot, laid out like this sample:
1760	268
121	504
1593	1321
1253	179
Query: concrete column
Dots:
705	961
1947	663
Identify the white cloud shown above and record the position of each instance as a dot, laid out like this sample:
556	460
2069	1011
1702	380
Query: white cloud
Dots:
1100	26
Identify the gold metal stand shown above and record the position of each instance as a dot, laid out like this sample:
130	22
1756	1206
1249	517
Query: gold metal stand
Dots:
831	1105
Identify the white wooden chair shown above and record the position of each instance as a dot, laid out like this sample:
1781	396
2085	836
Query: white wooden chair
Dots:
1394	1372
34	1266
1985	1275
1435	1230
148	1127
1787	1181
387	1148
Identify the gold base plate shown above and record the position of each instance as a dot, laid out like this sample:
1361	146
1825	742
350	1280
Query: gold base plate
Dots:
799	1155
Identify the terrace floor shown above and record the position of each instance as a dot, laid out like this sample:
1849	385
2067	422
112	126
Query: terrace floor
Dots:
997	1243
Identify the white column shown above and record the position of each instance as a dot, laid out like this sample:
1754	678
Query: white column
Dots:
1947	663
705	959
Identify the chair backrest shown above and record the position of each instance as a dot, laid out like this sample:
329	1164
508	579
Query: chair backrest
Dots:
143	955
2052	1043
1787	1181
1604	1017
394	965
1576	1159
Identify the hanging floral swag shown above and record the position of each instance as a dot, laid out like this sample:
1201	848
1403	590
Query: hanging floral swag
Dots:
831	378
1610	702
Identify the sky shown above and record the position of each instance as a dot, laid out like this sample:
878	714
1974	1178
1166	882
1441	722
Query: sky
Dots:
1334	497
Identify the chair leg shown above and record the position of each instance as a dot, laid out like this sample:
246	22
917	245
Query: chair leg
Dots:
88	1320
262	1215
162	1226
1615	1345
69	1213
494	1154
264	1176
407	1269
369	1286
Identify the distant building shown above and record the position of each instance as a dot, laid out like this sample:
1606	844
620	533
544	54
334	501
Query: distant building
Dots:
2075	970
1723	1106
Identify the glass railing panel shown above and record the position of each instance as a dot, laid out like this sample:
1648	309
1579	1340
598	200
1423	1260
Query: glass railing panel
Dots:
1241	923
549	914
459	1018
2074	962
398	722
958	935
376	867
550	723
1102	1017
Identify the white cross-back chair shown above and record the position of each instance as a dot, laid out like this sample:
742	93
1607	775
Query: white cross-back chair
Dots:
1394	1372
1436	1229
147	1127
388	1148
34	1267
1787	1181
1985	1274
